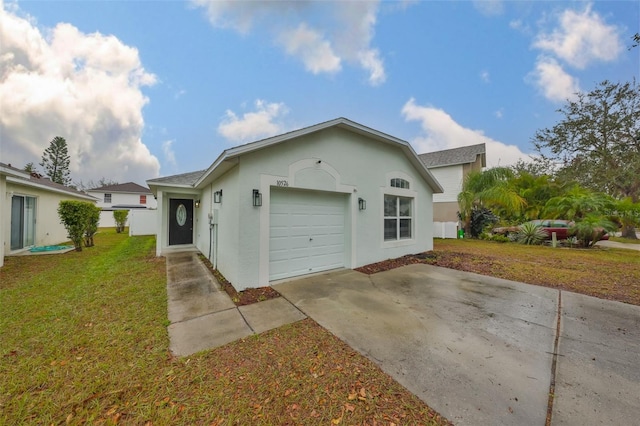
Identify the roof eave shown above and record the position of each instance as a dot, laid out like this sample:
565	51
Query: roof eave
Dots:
229	157
26	182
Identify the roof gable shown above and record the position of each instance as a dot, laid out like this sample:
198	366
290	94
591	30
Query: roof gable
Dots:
451	157
184	180
123	187
229	157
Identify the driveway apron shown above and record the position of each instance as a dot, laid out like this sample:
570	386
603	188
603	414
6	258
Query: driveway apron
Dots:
477	349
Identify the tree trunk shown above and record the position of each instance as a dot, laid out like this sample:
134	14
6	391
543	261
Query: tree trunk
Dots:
629	231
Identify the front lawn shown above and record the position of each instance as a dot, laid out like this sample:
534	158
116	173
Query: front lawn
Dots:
83	339
606	273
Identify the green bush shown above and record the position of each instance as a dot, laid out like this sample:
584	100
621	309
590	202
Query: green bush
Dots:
76	217
500	238
120	216
481	219
589	230
93	218
531	234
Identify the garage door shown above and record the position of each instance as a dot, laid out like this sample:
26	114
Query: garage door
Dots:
306	232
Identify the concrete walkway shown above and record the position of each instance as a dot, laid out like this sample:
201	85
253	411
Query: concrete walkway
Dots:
485	351
615	244
203	316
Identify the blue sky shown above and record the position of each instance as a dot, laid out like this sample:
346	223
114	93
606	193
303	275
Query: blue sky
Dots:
153	88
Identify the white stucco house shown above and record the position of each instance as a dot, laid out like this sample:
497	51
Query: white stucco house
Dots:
336	194
450	167
29	210
124	196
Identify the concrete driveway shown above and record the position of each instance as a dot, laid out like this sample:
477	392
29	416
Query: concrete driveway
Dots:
481	351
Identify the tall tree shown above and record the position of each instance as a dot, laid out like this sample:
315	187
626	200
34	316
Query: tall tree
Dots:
597	142
55	161
30	168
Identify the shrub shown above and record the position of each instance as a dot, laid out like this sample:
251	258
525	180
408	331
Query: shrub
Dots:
481	218
500	238
93	218
589	230
76	216
531	234
120	217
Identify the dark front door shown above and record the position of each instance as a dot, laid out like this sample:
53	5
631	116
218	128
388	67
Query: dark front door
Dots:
180	221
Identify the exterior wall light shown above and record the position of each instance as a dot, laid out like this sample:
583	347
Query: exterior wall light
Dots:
257	198
362	204
197	204
217	197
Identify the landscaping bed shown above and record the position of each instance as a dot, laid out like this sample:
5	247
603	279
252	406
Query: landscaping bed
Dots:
244	297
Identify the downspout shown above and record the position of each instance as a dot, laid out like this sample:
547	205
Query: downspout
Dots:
210	223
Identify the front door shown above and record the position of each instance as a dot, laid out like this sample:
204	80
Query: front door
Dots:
180	221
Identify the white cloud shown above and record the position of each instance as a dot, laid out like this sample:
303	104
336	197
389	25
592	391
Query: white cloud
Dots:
355	34
169	153
489	7
553	81
440	131
83	87
323	35
581	38
499	113
485	77
261	123
315	52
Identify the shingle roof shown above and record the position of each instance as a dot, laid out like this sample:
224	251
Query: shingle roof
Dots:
188	179
36	180
123	187
454	156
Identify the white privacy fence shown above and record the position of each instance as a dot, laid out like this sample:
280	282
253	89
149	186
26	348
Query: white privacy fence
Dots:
445	229
142	222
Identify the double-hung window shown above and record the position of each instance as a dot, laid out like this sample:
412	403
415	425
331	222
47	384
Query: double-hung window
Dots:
107	198
398	216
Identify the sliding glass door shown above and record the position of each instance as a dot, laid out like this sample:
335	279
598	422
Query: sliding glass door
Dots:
23	221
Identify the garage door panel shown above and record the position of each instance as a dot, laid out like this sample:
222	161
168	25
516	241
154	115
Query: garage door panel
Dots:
306	232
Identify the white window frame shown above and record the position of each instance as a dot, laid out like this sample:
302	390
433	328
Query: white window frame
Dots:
398	218
399	182
105	198
404	193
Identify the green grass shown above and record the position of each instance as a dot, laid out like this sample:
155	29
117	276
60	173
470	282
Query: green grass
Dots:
83	339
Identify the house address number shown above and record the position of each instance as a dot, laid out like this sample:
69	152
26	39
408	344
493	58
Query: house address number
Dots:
282	183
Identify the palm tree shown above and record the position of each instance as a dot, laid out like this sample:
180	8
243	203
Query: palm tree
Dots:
536	191
491	189
576	204
627	214
587	209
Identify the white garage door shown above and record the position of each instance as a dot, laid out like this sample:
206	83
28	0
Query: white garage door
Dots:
306	232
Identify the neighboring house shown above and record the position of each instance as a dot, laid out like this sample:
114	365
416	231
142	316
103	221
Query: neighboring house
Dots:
450	167
333	195
29	209
123	196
